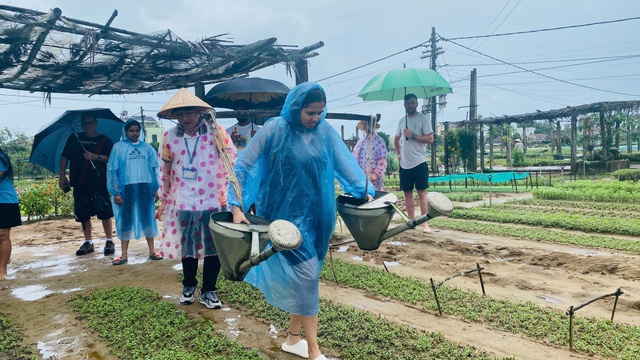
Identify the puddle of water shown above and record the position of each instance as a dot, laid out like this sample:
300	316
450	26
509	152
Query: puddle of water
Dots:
468	241
375	260
273	331
232	325
46	350
31	292
342	248
134	260
71	290
397	243
177	267
55	266
167	296
587	252
549	300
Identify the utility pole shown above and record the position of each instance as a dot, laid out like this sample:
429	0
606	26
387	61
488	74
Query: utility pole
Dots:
144	128
433	52
473	117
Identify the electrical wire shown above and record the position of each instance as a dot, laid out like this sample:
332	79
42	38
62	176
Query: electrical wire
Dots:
540	74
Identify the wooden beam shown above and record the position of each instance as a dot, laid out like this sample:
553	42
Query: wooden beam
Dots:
49	20
45	82
271	113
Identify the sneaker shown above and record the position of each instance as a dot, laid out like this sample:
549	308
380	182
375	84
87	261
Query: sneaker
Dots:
187	296
85	249
109	248
210	300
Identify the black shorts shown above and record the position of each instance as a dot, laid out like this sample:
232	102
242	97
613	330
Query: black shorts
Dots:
417	176
83	205
10	215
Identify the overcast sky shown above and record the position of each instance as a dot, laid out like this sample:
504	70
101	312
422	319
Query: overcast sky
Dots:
573	66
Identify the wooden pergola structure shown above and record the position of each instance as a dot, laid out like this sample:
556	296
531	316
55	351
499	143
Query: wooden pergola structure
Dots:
50	53
570	112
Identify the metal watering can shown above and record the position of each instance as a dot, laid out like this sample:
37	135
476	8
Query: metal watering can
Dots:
242	246
368	222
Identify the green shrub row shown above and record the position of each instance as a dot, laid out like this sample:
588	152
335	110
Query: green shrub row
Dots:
605	214
591	335
562	220
528	233
627	174
577	205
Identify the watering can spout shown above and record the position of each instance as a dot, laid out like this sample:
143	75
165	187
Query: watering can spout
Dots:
368	223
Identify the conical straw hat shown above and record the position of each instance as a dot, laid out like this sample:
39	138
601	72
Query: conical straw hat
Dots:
361	124
183	98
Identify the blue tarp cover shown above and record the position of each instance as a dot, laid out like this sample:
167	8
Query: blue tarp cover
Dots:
492	177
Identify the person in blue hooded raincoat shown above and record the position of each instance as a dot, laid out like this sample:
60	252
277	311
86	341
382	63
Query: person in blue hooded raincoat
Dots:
132	180
288	171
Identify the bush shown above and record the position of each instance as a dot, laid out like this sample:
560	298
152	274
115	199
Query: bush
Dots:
44	199
393	164
627	174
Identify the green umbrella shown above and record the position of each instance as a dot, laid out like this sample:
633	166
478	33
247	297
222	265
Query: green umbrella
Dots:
396	83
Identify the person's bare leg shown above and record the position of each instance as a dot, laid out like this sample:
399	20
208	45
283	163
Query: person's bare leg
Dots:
424	208
310	326
152	249
86	230
125	249
107	225
409	204
295	324
5	252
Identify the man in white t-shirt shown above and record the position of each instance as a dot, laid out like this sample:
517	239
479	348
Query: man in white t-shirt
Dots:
241	133
413	134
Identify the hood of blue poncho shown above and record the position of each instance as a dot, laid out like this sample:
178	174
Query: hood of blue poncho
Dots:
293	105
124	133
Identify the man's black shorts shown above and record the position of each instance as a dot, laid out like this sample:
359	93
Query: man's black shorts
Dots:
417	177
83	205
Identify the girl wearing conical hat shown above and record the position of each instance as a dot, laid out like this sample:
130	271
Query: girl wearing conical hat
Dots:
192	187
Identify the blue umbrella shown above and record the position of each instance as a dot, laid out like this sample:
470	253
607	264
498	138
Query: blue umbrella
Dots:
49	142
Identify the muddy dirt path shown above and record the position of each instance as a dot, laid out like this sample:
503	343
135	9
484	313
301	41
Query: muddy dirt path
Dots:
45	274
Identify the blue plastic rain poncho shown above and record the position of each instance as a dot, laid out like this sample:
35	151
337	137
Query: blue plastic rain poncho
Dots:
132	172
288	171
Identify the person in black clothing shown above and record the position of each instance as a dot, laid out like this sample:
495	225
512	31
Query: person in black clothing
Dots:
88	153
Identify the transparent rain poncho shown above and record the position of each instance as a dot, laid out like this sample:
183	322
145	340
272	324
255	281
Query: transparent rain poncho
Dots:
132	172
288	171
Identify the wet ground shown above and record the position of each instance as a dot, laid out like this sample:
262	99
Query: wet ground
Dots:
45	274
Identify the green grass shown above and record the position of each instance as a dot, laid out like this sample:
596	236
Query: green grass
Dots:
135	324
11	342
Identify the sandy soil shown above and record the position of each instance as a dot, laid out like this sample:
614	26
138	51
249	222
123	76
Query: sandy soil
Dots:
45	274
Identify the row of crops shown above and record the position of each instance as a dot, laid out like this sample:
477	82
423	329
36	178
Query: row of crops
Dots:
159	330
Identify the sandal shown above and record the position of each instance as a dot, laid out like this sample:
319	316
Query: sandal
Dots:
300	348
119	261
155	256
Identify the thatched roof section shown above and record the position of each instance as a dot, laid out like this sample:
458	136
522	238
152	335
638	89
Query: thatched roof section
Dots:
605	107
51	53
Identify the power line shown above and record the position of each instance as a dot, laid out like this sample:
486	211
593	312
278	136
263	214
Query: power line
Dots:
375	61
540	74
545	29
478	37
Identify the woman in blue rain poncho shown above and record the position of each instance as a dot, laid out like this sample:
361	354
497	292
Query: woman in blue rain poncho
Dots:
132	180
288	171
